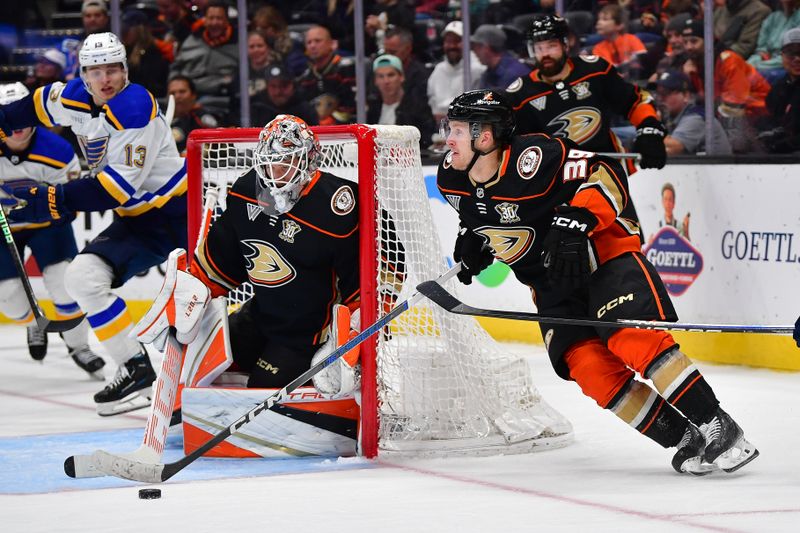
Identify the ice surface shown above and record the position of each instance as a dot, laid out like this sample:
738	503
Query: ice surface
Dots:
610	479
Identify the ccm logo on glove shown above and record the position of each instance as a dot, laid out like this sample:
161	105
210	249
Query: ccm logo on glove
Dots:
570	223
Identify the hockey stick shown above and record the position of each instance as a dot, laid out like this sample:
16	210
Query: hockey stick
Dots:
620	155
165	389
439	295
170	114
127	468
44	323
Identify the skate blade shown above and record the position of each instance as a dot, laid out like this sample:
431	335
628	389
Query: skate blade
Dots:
97	375
136	401
696	467
739	455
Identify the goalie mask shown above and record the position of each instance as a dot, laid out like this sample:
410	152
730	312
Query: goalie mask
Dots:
286	159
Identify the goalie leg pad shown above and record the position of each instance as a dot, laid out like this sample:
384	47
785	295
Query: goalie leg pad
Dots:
209	354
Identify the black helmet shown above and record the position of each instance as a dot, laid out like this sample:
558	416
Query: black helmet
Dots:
546	27
484	107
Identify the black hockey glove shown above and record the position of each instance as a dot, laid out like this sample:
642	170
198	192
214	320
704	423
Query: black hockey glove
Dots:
473	253
649	142
567	252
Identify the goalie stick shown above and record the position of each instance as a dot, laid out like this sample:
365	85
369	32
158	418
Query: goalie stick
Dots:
439	295
44	323
165	390
137	470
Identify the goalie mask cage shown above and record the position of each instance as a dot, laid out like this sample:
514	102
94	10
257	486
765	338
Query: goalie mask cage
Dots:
433	383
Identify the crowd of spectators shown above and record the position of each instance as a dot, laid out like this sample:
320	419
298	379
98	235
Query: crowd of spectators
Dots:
300	60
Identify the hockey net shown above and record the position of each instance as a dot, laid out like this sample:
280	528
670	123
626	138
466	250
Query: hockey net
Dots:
433	383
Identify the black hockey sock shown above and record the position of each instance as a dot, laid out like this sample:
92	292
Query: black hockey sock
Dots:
651	415
679	381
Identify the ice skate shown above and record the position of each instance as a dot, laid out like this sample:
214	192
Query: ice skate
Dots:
130	390
689	457
726	446
37	342
88	361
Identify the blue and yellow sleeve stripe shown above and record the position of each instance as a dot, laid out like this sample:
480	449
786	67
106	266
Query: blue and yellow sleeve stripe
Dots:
115	185
40	97
175	186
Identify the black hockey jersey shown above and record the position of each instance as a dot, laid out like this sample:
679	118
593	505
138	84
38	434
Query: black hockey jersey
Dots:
514	209
580	107
300	263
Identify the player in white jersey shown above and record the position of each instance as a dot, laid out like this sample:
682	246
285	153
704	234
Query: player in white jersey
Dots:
30	157
136	171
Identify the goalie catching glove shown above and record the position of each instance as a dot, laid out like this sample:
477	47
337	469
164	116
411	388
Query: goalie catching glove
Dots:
567	253
343	376
180	304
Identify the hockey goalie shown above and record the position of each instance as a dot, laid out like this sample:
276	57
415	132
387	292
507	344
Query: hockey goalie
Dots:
290	230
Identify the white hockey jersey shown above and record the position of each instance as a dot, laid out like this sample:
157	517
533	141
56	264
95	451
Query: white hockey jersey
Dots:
127	143
49	159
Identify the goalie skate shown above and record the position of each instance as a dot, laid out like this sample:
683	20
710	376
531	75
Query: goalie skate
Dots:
130	390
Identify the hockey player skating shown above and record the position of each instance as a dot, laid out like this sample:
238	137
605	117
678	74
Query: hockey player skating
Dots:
137	172
561	219
291	230
30	157
577	98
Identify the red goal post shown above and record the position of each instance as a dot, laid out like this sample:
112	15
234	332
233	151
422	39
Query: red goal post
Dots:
434	383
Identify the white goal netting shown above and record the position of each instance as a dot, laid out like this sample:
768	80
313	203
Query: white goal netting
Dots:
442	385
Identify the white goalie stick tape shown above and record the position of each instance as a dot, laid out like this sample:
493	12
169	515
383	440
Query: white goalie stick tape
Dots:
439	295
165	390
135	469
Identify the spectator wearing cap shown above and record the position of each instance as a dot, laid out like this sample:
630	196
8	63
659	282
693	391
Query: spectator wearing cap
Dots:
738	87
94	15
621	49
392	105
767	57
329	80
49	68
146	64
280	98
502	68
783	101
189	114
684	119
737	24
399	42
446	81
210	58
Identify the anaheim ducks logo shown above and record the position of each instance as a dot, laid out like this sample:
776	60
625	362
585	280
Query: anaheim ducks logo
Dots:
579	124
266	266
509	244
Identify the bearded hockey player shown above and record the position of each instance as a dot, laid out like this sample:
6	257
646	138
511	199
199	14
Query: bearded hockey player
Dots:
31	157
560	218
137	172
576	98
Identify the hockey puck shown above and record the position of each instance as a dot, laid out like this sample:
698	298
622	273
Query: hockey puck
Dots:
149	494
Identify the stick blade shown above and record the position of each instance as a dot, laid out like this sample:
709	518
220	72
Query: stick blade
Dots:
438	295
81	466
57	326
125	468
